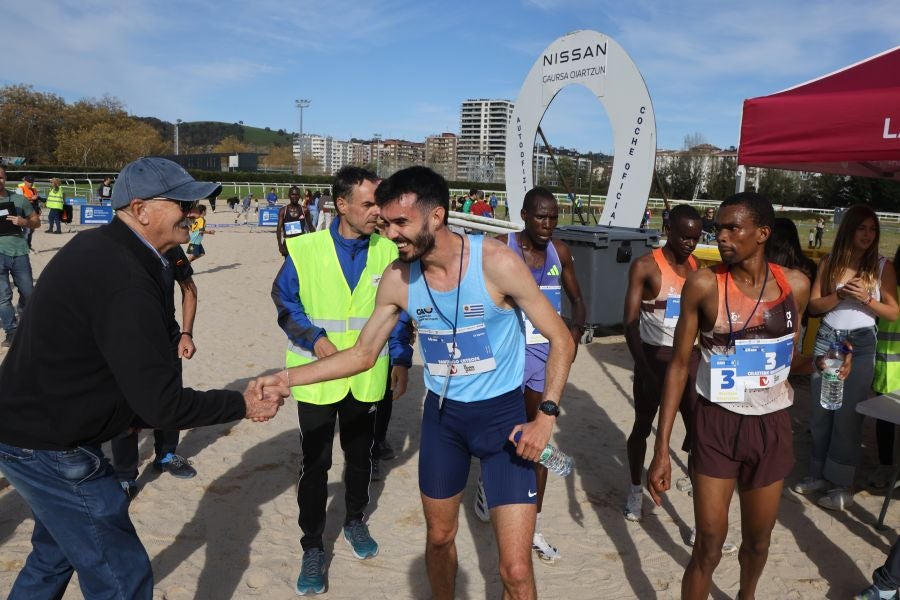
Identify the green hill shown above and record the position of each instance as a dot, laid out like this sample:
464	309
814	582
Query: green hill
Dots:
210	133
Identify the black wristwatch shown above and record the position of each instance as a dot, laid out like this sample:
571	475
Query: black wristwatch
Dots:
549	408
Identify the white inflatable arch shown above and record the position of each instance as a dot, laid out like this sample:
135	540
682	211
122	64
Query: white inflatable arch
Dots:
597	62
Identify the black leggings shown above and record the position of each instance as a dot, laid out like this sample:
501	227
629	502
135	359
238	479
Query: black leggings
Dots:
356	421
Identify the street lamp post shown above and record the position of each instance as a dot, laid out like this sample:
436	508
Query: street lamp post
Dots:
177	123
377	147
301	104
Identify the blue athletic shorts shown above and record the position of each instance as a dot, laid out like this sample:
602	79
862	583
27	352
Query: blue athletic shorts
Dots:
535	371
461	430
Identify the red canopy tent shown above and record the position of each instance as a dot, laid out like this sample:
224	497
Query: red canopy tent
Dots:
847	122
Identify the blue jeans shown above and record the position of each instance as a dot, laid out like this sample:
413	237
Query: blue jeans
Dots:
81	524
54	218
20	269
836	433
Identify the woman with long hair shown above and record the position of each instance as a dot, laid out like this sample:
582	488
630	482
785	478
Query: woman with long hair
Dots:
854	286
783	248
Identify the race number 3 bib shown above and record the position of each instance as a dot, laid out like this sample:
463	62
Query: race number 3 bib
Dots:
471	354
293	228
553	293
673	310
755	365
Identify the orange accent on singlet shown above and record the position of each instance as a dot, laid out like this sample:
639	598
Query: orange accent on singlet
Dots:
771	319
652	322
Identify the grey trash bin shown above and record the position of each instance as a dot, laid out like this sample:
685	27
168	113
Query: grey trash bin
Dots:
602	258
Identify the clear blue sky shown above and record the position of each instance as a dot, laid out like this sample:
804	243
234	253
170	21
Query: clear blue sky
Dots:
401	68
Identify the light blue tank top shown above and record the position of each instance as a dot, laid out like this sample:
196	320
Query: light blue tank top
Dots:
489	354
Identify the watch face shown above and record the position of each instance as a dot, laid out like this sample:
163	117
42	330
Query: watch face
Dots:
548	407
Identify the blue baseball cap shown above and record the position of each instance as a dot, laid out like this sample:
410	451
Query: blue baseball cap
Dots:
155	177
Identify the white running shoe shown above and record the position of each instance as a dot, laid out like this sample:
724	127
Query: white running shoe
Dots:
547	553
837	498
634	506
809	484
684	485
727	547
480	504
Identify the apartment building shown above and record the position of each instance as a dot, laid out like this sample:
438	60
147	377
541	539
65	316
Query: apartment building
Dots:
441	154
481	148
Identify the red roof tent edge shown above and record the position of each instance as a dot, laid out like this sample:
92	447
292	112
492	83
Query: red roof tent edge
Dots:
837	120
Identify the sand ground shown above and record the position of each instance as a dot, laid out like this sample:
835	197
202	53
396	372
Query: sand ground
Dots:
232	531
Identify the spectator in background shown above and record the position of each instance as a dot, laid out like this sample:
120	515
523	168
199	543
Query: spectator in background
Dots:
854	286
708	224
886	380
14	256
212	202
313	208
55	203
271	198
326	214
246	203
820	231
480	208
195	239
492	201
104	192
783	248
469	201
27	189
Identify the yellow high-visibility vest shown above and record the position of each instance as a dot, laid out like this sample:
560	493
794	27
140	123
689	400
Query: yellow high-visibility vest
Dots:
55	199
329	304
887	357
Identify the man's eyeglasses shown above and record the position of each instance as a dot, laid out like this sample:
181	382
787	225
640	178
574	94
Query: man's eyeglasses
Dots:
185	205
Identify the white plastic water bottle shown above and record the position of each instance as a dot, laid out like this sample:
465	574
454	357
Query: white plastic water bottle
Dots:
832	386
554	459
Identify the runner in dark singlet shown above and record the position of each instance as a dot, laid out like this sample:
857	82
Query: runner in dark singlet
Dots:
293	220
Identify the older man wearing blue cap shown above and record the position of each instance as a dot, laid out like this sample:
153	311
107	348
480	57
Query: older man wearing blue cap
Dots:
93	357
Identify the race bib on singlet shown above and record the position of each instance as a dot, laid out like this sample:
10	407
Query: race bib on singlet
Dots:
553	293
673	310
470	355
293	227
755	365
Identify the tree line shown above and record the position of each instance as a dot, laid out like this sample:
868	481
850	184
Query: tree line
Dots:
99	133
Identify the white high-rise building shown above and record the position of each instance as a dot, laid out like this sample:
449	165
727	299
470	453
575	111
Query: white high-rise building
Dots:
481	150
331	154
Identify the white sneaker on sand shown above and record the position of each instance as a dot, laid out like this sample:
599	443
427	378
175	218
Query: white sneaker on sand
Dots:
480	503
547	553
634	506
727	547
684	485
809	484
837	498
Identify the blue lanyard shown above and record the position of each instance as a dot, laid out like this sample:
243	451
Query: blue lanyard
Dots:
437	308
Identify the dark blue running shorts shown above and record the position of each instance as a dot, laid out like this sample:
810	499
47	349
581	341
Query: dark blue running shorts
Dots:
461	430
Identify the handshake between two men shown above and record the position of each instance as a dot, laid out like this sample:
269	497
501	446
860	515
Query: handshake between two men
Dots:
264	395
